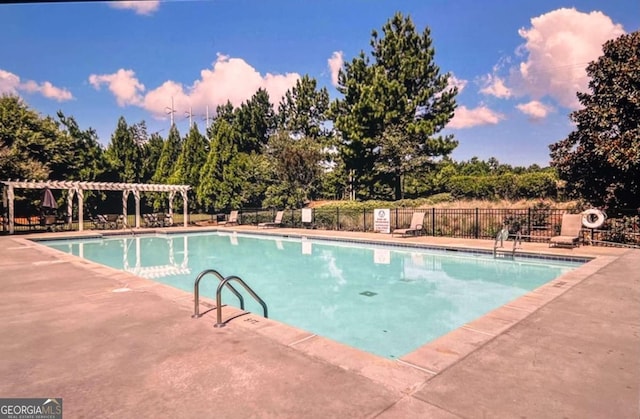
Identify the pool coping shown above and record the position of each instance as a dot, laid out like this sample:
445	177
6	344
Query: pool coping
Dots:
405	374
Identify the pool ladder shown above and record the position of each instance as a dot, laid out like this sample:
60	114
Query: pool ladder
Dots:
224	282
499	251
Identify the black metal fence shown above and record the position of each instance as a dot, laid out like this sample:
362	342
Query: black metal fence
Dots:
534	224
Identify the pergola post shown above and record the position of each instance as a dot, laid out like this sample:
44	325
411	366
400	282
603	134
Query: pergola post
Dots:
5	221
125	197
10	197
185	209
80	193
172	195
70	206
136	196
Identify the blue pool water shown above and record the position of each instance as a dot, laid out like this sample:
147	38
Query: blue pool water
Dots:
385	300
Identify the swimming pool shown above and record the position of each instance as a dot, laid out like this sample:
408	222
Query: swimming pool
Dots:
387	300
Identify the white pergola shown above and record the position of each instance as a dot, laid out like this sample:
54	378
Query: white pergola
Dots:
77	188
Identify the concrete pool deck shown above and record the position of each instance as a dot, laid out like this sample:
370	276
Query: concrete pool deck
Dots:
115	345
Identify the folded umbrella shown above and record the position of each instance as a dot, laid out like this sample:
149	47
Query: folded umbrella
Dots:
48	201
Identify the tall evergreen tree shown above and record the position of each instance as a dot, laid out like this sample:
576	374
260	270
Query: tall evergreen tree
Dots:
397	100
255	173
220	182
123	155
255	121
303	109
191	159
170	152
151	152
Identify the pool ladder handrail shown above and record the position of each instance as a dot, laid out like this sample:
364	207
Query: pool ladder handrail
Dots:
196	291
224	283
501	237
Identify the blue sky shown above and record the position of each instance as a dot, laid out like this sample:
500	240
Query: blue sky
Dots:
518	63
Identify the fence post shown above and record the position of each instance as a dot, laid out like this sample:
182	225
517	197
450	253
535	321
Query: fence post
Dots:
477	222
396	226
364	220
529	222
433	221
338	219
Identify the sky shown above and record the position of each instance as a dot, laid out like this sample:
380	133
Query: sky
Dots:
517	64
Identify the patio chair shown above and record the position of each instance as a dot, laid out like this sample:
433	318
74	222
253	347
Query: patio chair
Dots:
100	222
414	228
277	222
233	219
569	231
108	220
52	222
32	222
96	223
117	221
149	220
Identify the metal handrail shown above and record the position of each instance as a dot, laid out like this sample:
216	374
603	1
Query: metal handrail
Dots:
501	236
219	298
196	291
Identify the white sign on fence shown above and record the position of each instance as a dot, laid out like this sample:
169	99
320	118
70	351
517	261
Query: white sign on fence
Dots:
307	215
382	220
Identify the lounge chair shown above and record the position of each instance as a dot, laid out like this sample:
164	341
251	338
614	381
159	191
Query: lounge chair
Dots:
32	222
569	231
414	228
277	222
233	219
52	222
150	220
97	222
108	220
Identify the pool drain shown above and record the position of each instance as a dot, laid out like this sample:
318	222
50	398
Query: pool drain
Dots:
368	293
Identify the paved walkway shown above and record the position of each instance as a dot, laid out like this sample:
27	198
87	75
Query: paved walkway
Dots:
113	345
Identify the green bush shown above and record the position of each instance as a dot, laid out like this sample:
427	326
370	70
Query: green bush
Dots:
373	204
506	186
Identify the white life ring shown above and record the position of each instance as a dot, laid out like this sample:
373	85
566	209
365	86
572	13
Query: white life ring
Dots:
593	218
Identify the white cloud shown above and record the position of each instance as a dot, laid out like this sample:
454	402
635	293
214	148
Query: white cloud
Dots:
123	84
494	86
467	118
48	90
11	84
456	82
335	64
559	45
229	79
535	109
141	7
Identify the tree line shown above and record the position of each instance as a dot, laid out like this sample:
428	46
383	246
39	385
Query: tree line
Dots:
380	140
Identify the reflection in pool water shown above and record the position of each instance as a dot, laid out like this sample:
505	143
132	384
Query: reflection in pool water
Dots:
381	299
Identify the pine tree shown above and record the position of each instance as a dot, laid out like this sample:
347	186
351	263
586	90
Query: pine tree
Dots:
395	99
192	158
